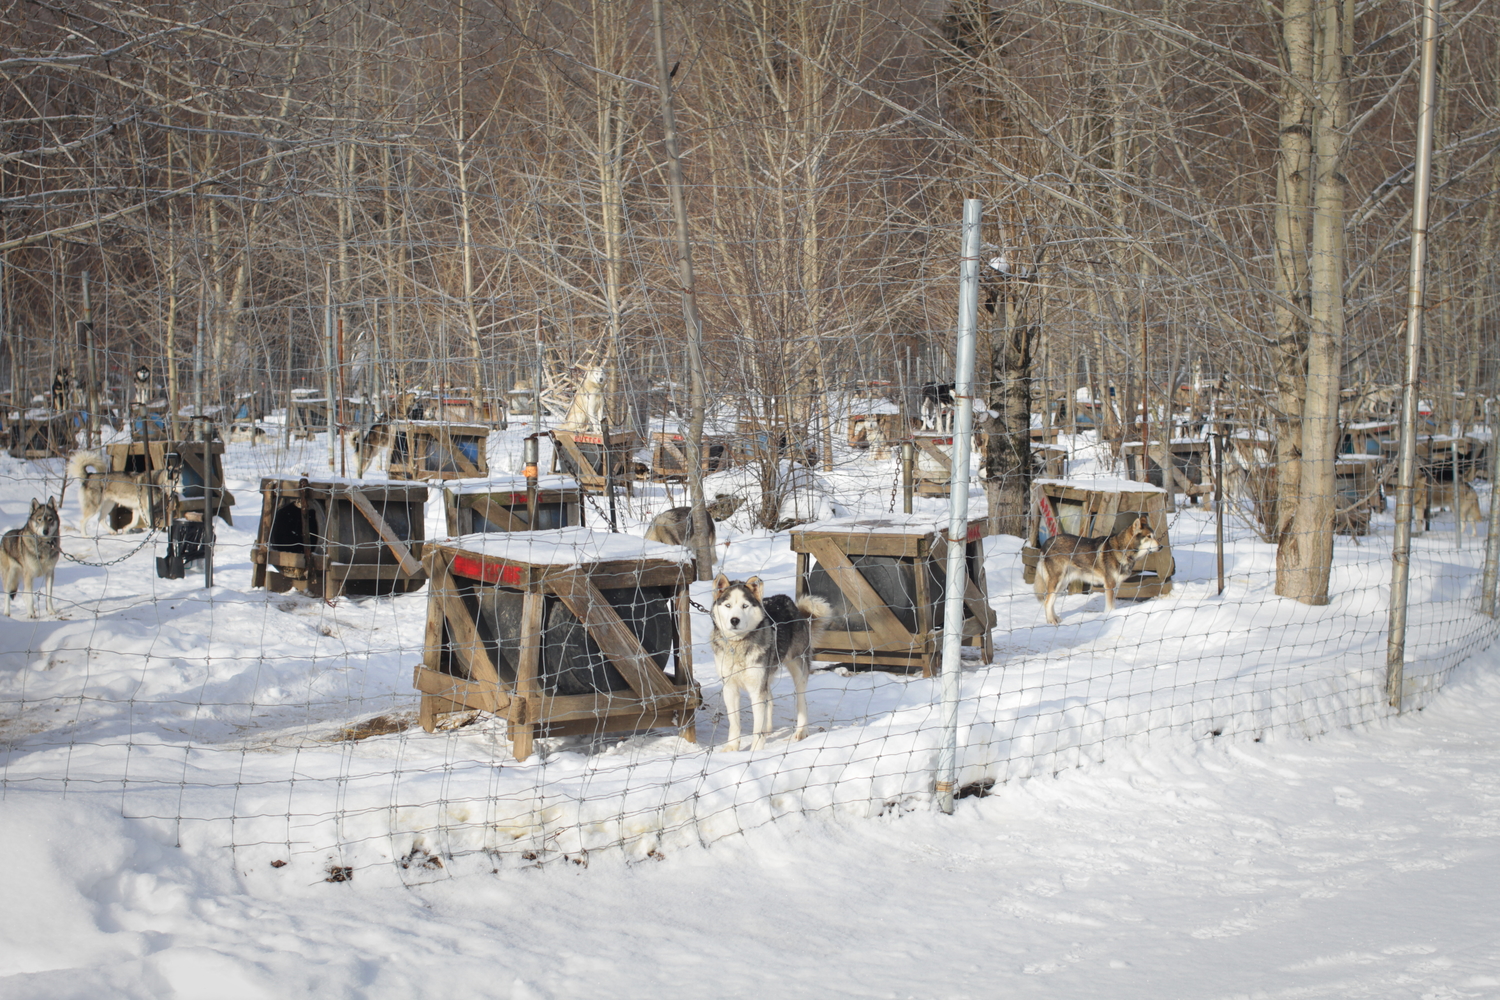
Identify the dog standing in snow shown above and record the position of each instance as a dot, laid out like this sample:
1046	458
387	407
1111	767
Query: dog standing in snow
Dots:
28	554
753	635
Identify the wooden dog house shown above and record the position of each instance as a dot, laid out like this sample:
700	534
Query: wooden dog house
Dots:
146	461
499	503
560	632
933	469
432	449
339	536
1093	507
38	433
885	579
1192	461
669	455
888	429
582	455
1049	461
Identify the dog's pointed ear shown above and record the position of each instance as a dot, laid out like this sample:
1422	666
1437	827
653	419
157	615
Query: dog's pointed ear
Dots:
35	503
721	584
52	502
754	586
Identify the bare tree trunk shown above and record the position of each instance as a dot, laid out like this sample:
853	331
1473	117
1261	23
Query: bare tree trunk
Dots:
1007	454
1309	542
1290	309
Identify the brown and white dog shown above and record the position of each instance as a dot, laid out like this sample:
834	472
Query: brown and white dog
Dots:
1103	561
753	635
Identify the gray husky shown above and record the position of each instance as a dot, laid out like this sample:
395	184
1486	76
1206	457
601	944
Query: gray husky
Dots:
752	636
29	553
674	526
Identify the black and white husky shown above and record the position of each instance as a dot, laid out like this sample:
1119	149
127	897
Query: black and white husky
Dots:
29	553
752	636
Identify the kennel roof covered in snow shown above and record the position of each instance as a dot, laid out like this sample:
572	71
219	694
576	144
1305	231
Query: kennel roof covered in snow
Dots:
511	483
1103	484
567	547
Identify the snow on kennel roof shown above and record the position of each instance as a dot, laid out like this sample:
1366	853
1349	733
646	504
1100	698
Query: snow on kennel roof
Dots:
1103	484
567	547
510	482
884	524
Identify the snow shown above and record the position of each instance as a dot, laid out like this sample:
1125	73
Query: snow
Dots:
510	484
567	547
1104	484
1216	802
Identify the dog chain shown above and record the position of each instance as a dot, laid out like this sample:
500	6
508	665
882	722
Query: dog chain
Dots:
895	485
84	562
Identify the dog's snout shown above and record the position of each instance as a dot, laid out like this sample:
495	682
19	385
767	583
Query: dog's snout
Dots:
734	623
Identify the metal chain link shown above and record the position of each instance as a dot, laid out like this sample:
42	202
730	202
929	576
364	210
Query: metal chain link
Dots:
895	485
84	562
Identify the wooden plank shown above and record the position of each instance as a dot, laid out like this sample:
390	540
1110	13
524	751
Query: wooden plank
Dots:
398	548
467	469
467	643
614	639
472	694
883	623
863	642
526	702
498	515
910	546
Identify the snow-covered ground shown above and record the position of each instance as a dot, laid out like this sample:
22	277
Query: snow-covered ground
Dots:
163	747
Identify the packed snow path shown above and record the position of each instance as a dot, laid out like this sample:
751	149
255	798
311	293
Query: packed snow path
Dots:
1361	863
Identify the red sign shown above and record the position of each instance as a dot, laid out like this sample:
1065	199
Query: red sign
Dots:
1047	514
489	572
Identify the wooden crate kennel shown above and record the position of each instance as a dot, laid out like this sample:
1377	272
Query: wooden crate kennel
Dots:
1049	461
884	577
40	434
1090	508
669	455
933	469
560	632
498	503
339	536
432	449
890	428
581	455
147	460
1192	461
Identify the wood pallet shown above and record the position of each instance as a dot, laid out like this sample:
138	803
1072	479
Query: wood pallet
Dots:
1090	508
905	556
500	504
581	454
329	537
503	636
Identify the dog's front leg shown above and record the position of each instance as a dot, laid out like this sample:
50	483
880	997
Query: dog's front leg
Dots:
1109	596
731	694
760	710
51	608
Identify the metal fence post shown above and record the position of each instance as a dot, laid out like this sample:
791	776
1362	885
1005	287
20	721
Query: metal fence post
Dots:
1395	657
958	510
1492	539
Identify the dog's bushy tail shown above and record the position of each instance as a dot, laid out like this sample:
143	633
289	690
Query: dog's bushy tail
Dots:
80	462
817	610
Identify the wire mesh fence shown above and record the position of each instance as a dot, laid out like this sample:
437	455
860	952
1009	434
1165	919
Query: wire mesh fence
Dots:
306	292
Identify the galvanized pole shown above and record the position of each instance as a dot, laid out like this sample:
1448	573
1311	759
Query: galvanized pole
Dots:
1395	658
1492	540
958	510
